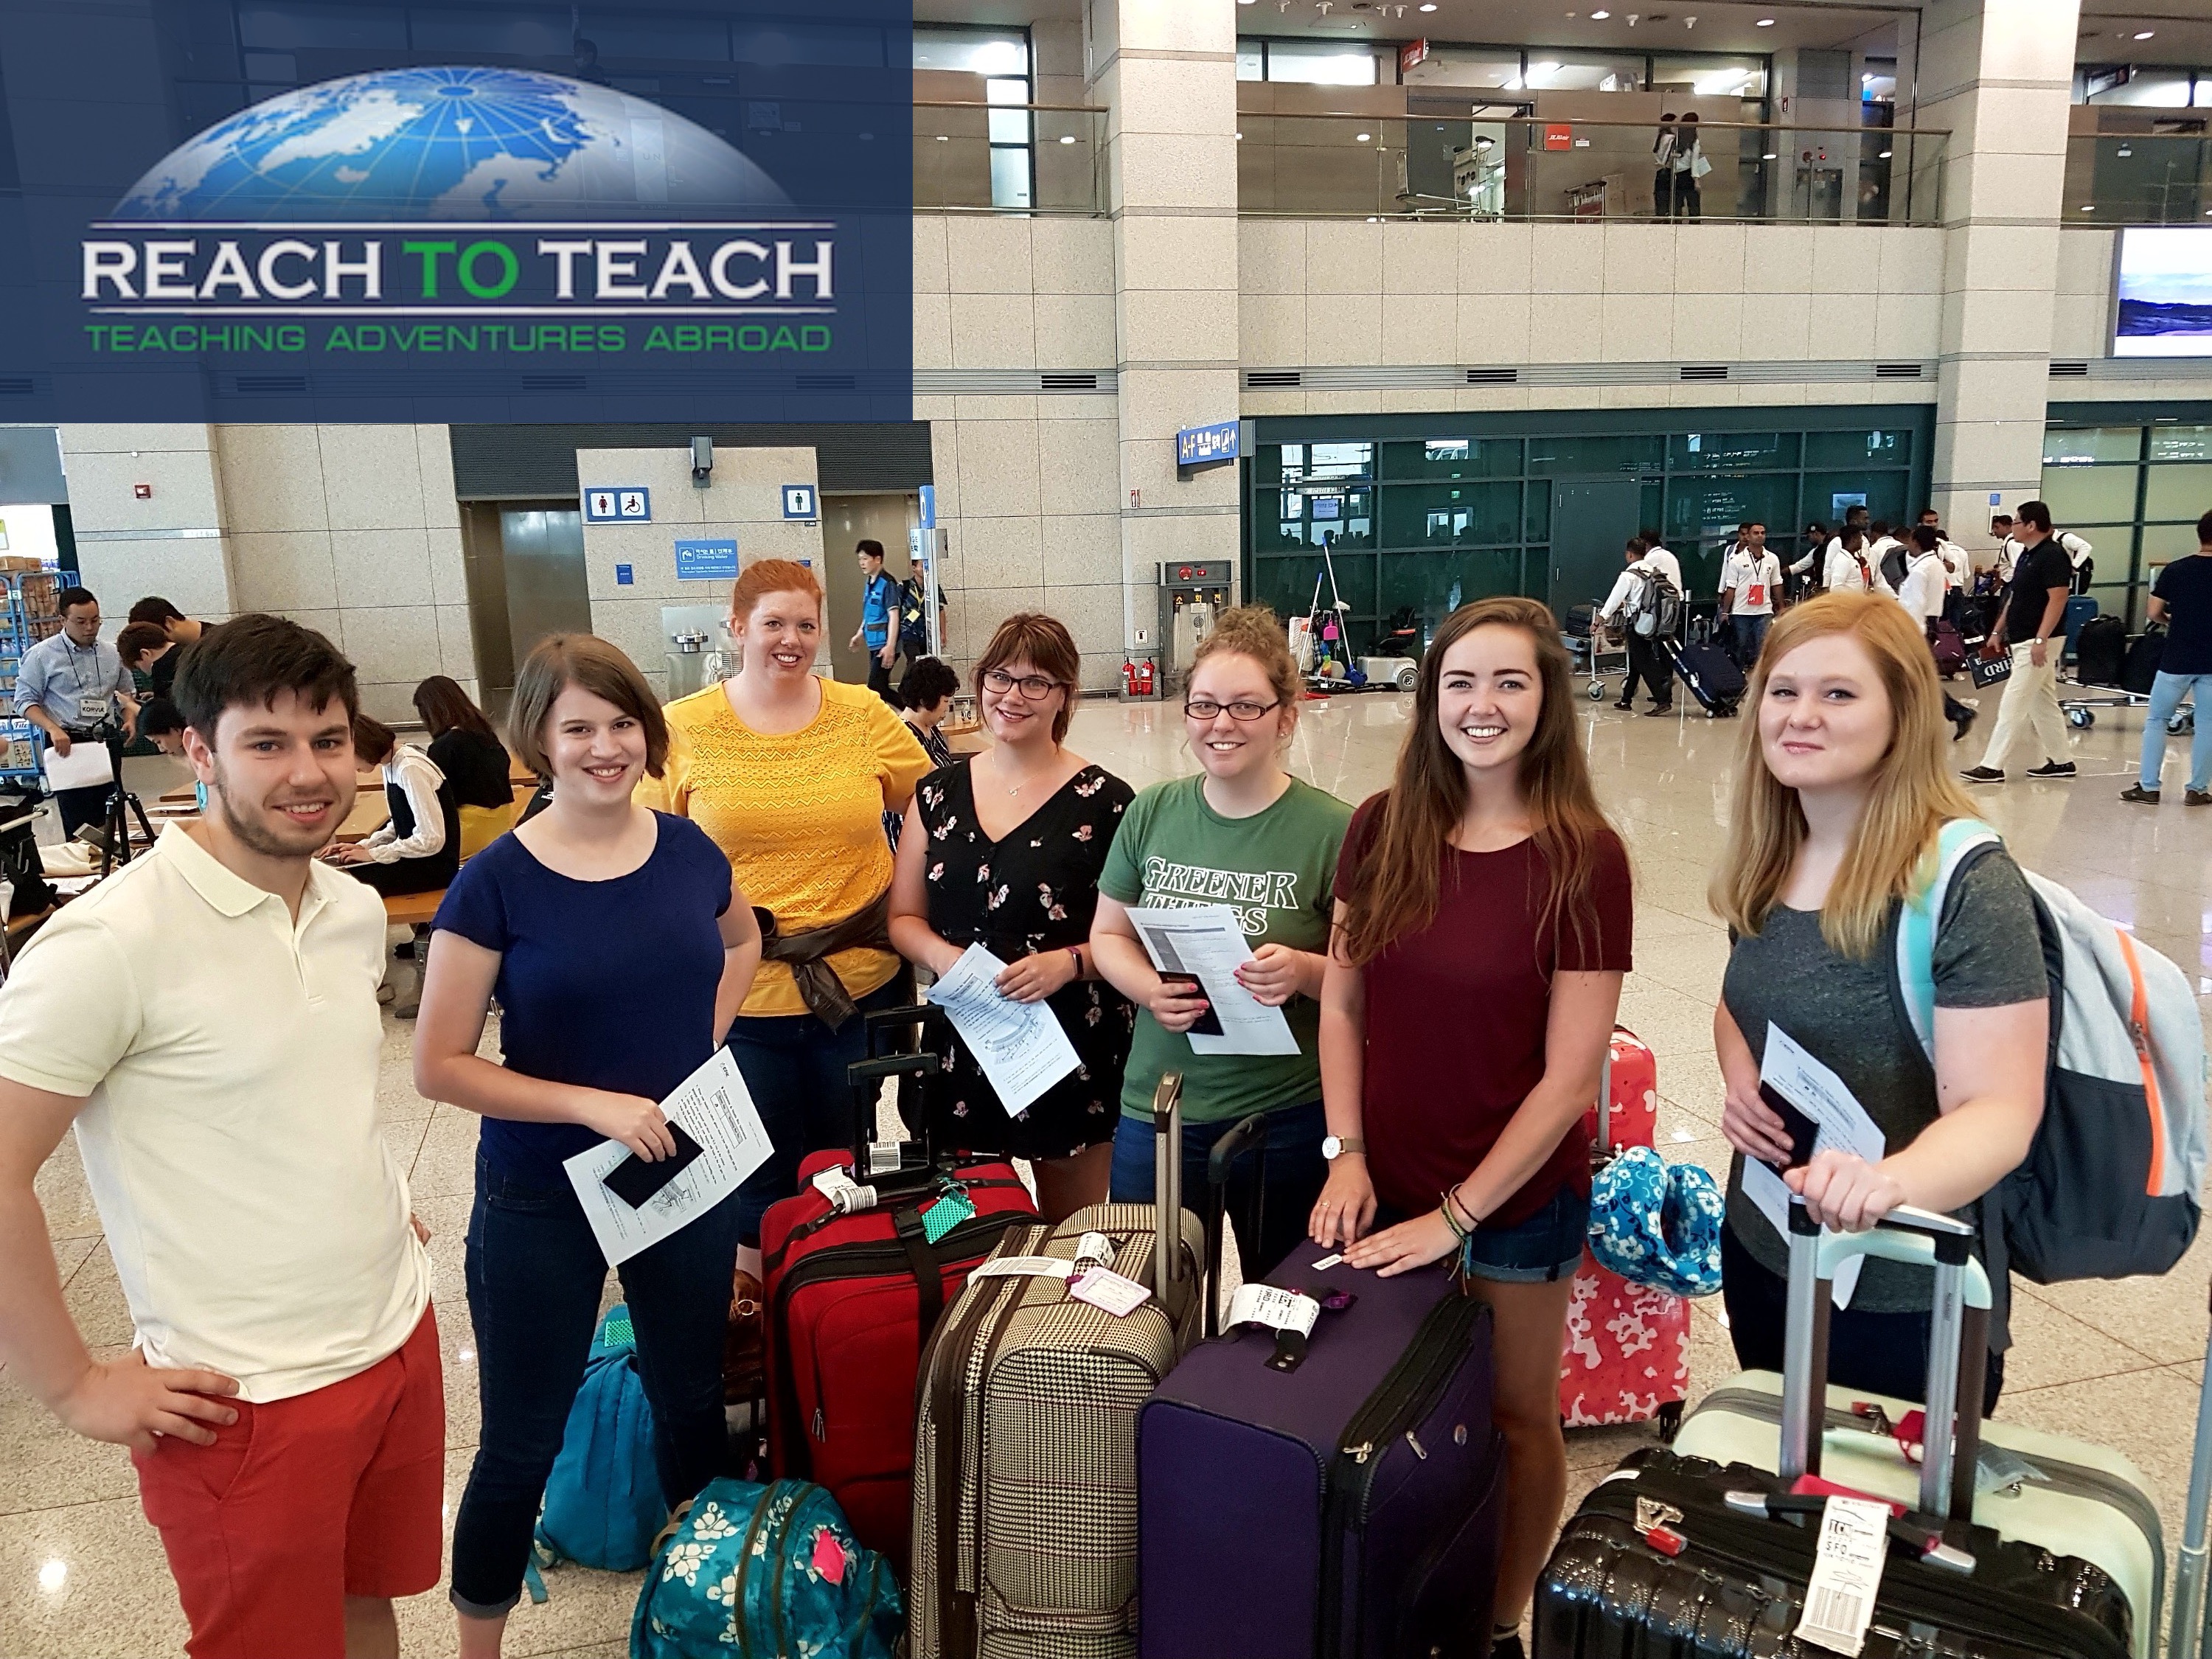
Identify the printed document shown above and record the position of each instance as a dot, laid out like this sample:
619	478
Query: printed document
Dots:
1818	1093
713	1106
1019	1045
87	764
1207	940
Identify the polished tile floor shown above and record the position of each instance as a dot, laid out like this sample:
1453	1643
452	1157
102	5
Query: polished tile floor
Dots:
82	1575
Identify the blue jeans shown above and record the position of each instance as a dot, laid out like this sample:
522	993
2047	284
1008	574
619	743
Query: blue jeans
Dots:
794	1068
2165	696
1750	633
1543	1250
1296	1173
535	1273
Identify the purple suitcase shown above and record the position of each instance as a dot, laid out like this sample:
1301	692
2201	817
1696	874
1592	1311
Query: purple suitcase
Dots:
1349	1509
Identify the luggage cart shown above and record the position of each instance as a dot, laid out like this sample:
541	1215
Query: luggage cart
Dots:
1588	650
2081	711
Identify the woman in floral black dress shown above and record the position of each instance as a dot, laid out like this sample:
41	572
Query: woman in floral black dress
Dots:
1003	848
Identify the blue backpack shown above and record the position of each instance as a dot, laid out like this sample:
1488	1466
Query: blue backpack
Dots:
747	1571
604	1502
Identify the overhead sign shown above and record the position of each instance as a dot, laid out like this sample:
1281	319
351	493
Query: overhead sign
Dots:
799	502
309	216
707	561
1413	52
1204	446
617	504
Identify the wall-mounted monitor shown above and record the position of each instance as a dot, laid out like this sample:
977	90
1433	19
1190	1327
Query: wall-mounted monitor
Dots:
2165	292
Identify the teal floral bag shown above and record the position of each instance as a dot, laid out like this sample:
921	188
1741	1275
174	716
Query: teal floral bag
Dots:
747	1571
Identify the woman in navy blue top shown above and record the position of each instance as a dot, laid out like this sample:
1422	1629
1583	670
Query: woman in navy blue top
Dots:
619	949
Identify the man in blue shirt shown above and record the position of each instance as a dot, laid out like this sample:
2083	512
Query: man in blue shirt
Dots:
879	618
75	688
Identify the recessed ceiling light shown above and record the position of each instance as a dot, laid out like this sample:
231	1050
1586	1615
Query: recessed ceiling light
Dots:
2088	207
1769	156
944	138
1765	23
1364	136
1067	137
2146	34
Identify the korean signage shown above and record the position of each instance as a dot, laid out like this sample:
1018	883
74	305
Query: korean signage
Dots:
267	211
707	561
1206	445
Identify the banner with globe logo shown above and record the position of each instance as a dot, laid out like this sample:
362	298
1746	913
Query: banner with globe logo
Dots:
694	210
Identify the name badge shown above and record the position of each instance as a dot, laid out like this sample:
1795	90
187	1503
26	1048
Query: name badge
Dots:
94	708
1757	595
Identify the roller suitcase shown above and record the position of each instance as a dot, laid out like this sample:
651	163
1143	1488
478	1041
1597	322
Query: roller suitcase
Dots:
1348	1504
853	1295
1627	1354
2079	611
1695	1556
1026	1453
2100	651
2139	673
1950	648
1715	681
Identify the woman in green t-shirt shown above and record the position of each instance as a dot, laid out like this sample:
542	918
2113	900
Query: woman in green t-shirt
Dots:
1245	834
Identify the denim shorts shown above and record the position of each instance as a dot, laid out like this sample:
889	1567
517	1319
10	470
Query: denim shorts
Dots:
1546	1248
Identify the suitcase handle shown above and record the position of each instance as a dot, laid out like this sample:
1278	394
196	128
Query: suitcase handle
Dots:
1167	1186
884	1024
864	1076
1249	1135
1959	1327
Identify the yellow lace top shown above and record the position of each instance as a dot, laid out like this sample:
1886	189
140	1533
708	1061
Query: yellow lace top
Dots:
800	817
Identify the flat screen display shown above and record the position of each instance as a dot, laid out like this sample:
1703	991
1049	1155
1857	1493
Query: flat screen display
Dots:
2165	292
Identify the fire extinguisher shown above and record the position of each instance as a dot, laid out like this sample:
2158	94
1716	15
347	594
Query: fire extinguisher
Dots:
1137	678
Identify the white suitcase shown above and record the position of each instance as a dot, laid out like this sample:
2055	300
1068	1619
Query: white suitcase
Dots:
2071	1498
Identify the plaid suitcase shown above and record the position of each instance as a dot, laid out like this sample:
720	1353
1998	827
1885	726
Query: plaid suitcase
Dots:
1025	1440
1627	1356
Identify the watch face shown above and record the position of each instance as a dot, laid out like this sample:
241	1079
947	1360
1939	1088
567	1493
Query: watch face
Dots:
1331	1146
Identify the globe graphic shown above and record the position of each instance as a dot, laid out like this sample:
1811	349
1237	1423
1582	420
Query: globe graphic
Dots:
450	143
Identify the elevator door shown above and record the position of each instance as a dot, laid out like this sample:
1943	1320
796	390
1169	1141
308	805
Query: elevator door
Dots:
525	567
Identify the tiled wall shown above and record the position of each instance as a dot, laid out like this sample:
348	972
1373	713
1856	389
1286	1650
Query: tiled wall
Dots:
171	542
743	503
353	530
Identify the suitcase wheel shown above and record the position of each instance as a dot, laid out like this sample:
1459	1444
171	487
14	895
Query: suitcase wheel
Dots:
1668	1421
2082	718
1597	690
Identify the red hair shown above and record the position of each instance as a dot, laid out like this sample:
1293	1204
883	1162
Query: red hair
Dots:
765	576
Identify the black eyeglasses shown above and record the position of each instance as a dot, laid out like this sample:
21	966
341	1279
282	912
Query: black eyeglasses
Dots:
1033	686
1205	709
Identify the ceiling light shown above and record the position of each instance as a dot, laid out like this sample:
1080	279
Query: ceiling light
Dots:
1364	136
1883	156
2146	34
1067	137
944	138
2088	207
1769	156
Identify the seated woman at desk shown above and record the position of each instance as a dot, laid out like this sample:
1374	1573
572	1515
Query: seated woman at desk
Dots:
473	759
419	850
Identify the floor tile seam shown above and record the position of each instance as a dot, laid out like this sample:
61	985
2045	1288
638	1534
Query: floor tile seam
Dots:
2034	1292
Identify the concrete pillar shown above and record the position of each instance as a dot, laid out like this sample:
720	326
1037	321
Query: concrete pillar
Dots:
171	541
1166	71
1998	74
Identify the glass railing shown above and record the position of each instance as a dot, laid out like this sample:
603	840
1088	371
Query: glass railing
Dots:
1009	158
1523	167
2157	179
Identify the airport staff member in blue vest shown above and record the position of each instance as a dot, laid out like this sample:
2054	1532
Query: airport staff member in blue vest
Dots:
74	689
879	615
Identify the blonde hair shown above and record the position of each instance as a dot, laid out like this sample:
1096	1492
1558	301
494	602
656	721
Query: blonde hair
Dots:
1911	798
1254	631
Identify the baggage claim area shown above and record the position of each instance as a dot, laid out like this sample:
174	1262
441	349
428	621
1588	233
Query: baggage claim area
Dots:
418	381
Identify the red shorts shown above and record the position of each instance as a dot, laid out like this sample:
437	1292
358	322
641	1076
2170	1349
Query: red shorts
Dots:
304	1501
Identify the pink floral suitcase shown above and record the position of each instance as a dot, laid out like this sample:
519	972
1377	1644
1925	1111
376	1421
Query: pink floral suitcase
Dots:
1627	1357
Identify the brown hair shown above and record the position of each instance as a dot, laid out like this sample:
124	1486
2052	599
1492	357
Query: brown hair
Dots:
1252	630
1032	637
1396	889
765	576
589	663
1912	798
136	639
445	706
372	740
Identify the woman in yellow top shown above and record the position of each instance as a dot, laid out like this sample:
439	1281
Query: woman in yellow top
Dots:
791	776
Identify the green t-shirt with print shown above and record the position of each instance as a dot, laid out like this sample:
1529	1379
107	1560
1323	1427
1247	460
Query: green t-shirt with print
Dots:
1275	869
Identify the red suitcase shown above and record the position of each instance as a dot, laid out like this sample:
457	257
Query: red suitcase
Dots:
852	1299
1627	1357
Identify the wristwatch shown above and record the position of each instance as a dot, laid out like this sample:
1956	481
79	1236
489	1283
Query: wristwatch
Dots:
1332	1147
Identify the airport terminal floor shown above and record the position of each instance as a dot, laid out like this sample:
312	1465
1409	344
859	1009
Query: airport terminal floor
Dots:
82	1576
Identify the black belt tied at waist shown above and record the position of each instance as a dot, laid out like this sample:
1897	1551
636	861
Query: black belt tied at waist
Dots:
805	954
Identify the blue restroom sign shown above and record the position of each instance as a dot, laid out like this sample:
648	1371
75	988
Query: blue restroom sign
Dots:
707	561
799	502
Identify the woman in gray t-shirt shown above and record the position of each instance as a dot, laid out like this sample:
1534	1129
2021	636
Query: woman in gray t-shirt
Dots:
1840	793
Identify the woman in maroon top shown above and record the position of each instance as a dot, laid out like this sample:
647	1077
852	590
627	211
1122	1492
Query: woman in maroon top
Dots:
1483	925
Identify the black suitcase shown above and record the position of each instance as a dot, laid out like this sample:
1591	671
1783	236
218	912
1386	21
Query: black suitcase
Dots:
2100	651
2139	673
1681	1557
1712	676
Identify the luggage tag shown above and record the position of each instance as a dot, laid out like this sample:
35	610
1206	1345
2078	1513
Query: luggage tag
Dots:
1839	1597
1290	1314
845	1196
948	1212
1101	1288
1009	1266
1093	1250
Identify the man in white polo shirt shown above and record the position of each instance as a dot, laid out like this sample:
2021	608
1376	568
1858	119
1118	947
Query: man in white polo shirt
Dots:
207	1019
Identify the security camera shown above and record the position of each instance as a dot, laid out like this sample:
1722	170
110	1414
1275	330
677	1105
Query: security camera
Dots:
703	461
